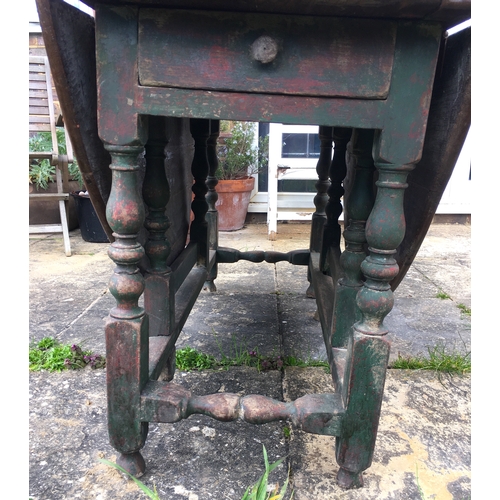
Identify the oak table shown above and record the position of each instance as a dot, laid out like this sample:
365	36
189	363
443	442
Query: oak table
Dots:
364	72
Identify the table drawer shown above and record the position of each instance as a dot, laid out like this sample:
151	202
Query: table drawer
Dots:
330	57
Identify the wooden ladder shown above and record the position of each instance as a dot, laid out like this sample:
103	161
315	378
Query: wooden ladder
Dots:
42	119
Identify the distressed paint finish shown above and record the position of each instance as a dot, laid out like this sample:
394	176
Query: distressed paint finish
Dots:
368	349
358	205
158	295
314	413
371	75
118	114
314	54
127	325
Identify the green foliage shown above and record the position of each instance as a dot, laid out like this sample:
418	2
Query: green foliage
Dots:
259	490
466	310
188	359
153	494
442	295
41	172
49	354
438	360
237	156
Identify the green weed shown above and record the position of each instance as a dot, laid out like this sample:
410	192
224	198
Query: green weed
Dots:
153	494
464	309
438	360
188	359
259	490
49	354
442	295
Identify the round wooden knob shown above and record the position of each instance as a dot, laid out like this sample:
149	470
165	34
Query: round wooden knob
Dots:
264	49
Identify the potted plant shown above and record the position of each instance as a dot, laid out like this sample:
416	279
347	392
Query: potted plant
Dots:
239	160
42	178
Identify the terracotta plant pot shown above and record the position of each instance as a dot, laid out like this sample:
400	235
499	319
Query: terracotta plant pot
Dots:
232	205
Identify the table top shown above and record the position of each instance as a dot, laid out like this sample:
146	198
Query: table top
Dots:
448	12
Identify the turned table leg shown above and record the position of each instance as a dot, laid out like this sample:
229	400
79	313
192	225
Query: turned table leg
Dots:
127	325
358	203
212	216
368	350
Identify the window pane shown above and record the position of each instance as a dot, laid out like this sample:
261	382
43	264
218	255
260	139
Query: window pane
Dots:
294	146
314	145
300	146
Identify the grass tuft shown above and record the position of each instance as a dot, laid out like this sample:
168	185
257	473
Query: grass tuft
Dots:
153	494
464	309
438	360
188	359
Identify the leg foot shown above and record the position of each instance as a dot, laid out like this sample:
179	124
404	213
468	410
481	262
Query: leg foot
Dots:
168	372
349	480
310	292
133	463
210	286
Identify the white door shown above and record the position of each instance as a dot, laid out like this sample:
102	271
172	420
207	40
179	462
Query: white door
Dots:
293	155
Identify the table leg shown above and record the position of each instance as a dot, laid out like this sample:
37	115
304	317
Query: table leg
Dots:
127	339
212	216
368	350
358	203
321	199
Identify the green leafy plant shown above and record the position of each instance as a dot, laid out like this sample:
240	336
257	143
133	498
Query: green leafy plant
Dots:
442	295
259	491
188	359
49	354
438	360
238	158
41	172
153	494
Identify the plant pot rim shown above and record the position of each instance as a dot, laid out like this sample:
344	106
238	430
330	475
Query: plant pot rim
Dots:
235	185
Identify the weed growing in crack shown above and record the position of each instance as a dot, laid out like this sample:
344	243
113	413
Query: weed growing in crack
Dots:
49	354
466	310
187	359
261	490
438	360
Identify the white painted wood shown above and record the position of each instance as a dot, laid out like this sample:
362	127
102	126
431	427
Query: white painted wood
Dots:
292	206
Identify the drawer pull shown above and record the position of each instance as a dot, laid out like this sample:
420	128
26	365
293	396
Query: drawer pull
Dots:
264	49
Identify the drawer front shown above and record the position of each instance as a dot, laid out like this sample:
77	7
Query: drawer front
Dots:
331	57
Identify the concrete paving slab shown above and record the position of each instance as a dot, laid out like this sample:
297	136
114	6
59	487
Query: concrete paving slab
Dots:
424	435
